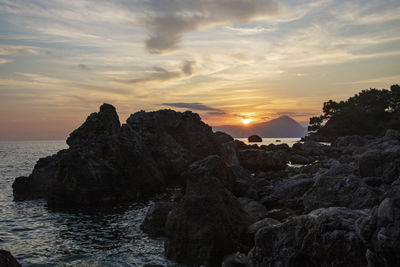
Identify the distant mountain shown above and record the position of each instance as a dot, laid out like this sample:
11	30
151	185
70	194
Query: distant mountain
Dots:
283	127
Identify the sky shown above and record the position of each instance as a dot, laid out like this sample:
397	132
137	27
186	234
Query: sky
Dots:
227	60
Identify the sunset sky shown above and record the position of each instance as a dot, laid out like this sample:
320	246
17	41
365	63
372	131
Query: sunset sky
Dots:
227	60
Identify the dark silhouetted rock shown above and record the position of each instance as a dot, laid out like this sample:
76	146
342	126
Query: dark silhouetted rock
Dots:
258	159
266	222
353	140
207	224
381	233
156	217
222	137
349	192
174	139
299	159
7	260
325	237
254	139
212	166
104	164
236	260
253	208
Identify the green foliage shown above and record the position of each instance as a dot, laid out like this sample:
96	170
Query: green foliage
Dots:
368	112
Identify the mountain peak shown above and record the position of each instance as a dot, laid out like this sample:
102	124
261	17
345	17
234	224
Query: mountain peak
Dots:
283	126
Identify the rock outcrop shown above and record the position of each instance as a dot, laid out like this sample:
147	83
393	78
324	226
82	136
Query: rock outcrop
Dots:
108	163
7	260
207	224
324	237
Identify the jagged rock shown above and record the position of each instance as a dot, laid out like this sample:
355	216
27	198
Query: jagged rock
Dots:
207	224
222	137
229	153
212	166
174	139
391	135
156	217
7	260
280	214
370	164
381	233
309	148
261	224
353	140
299	159
253	208
236	260
254	138
349	192
287	193
258	159
325	237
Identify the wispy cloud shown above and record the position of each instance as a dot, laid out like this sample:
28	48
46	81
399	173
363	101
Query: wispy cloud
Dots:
181	17
195	106
18	50
161	74
4	61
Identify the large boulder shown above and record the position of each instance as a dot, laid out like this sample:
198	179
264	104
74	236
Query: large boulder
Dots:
325	237
259	159
287	193
253	208
207	224
222	137
381	233
174	139
212	166
350	192
7	260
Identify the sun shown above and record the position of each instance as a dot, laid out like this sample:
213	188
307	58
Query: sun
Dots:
246	121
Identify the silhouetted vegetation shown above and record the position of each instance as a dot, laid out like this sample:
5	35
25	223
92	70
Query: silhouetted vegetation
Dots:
369	112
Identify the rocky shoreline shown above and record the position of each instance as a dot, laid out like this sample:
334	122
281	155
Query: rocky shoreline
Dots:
233	204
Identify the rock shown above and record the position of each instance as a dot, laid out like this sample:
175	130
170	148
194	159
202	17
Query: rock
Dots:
280	214
240	145
353	140
391	135
261	224
254	138
97	129
222	137
299	159
174	139
349	192
258	159
310	148
373	181
229	154
370	164
381	233
236	260
325	237
7	260
287	193
104	165
207	224
212	166
156	217
253	208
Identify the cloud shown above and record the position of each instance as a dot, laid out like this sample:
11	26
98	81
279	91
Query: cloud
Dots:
195	106
4	61
84	67
167	28
18	50
250	31
161	74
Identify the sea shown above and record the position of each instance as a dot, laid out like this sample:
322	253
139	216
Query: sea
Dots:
37	236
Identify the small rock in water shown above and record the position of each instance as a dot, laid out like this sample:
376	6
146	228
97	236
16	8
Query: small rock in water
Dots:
254	138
